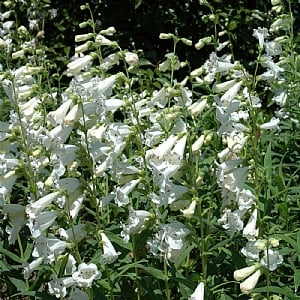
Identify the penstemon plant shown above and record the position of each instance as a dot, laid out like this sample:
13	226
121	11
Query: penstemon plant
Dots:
129	183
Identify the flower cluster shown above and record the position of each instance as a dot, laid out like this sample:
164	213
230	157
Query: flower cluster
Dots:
116	170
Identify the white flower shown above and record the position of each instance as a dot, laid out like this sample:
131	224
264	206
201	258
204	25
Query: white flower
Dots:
198	293
77	232
73	205
197	107
73	115
41	222
160	98
245	199
189	212
232	221
122	193
185	99
234	181
272	124
35	208
243	273
273	48
280	98
251	250
6	183
78	64
169	241
49	248
198	144
131	58
250	231
58	286
16	213
236	141
230	94
261	34
137	219
86	274
29	107
109	255
271	259
249	284
56	117
30	267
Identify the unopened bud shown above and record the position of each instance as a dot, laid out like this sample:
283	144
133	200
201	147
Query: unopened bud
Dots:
166	36
18	54
83	37
198	144
109	31
187	42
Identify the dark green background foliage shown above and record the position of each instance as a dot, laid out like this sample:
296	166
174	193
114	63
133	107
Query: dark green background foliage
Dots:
138	24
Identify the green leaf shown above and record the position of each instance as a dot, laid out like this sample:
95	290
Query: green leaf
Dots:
152	271
138	3
289	240
10	255
268	163
18	283
4	266
278	290
297	279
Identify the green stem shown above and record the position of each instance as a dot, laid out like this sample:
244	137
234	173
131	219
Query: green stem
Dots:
167	288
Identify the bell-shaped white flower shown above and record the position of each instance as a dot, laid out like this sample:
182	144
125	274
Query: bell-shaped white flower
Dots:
198	293
16	213
137	219
78	64
73	115
86	274
58	286
271	259
35	208
56	117
30	267
41	222
250	232
109	255
261	34
122	193
160	98
230	94
272	124
189	212
131	58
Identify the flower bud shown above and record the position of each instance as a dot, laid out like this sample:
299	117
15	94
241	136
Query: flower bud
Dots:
249	284
198	144
166	36
274	242
84	47
109	31
187	42
202	42
83	37
243	273
18	54
83	24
